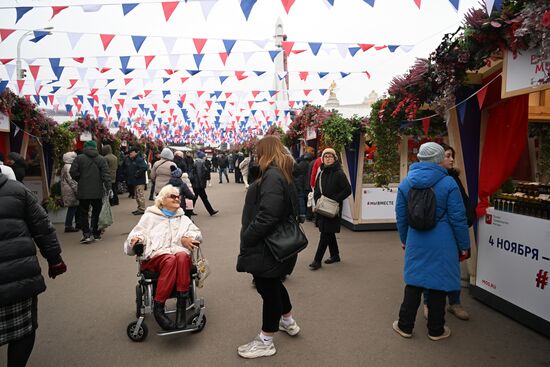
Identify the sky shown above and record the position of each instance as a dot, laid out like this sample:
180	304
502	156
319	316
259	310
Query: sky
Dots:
338	27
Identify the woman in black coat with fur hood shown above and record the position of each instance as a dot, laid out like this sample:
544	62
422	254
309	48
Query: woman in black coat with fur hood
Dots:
268	202
332	183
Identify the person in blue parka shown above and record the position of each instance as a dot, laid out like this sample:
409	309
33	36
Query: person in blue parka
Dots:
431	256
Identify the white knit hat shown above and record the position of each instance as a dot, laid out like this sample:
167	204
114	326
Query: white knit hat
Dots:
431	152
167	154
329	151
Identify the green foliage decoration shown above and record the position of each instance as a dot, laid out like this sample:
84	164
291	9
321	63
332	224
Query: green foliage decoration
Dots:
339	131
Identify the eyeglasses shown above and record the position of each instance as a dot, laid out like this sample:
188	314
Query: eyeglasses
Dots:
328	156
174	197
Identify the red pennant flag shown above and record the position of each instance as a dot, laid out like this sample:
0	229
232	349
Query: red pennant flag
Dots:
255	93
184	79
168	7
75	100
50	98
103	70
296	52
146	92
365	46
368	74
5	61
106	40
39	89
199	44
223	56
93	91
228	94
117	107
78	59
34	70
96	110
209	104
121	101
426	125
96	98
148	60
155	106
481	96
287	47
182	98
73	82
240	75
250	103
291	103
307	91
127	80
57	9
287	4
417	2
200	93
20	84
378	48
303	75
4	33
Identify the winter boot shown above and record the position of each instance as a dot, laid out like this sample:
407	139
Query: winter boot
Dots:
181	305
162	319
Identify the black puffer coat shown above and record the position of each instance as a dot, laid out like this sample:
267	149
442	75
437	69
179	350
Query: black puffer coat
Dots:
92	173
267	203
22	219
336	187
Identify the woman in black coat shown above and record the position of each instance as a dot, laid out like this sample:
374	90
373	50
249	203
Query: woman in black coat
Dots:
268	202
23	222
332	183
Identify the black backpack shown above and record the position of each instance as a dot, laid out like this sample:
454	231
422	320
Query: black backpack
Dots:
421	207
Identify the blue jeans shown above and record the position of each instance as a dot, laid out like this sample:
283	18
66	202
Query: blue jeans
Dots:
71	214
224	172
454	297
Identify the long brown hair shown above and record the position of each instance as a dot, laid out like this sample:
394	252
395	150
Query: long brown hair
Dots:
271	150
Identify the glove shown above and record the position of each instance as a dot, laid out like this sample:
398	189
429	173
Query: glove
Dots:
403	246
463	255
57	269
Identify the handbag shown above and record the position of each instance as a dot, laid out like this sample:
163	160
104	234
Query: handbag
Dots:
202	265
310	200
286	240
326	206
105	216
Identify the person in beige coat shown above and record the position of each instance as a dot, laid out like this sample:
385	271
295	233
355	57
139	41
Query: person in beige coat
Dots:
160	173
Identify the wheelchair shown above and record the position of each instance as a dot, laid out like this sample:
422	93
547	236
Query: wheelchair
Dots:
137	330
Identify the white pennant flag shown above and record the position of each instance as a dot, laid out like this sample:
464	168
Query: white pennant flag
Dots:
261	43
10	70
82	73
489	6
152	74
91	83
37	85
90	8
30	61
406	48
343	49
281	74
16	130
247	56
206	6
61	99
174	60
102	61
74	38
169	43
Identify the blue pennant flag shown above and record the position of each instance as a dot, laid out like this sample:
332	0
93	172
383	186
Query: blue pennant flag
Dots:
370	2
115	124
164	80
38	35
108	109
180	104
124	62
222	103
322	74
68	107
91	101
165	93
22	10
138	41
259	73
315	46
461	110
253	112
118	115
353	50
45	99
55	89
100	119
146	110
272	93
198	59
498	5
323	91
112	92
3	85
331	2
193	72
343	75
246	7
81	99
228	44
126	8
455	3
109	81
126	71
54	63
222	78
104	106
217	93
273	54
392	48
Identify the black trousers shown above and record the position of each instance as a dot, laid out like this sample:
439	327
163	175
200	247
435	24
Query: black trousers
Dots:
202	194
276	302
436	308
20	350
114	199
83	210
327	240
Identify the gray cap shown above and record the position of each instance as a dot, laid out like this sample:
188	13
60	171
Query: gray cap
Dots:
167	154
431	152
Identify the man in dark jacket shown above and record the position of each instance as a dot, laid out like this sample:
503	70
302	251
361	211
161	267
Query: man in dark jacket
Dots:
136	177
92	173
199	176
301	181
224	163
18	165
112	162
23	223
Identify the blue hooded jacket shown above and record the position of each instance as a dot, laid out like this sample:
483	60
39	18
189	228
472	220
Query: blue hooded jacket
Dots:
431	257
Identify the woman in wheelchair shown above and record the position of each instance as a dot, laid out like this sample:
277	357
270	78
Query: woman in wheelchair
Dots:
168	237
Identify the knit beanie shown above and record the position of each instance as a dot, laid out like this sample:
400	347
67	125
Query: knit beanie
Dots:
175	172
167	154
200	154
329	151
431	152
90	144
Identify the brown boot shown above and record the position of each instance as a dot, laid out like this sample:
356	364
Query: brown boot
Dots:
458	311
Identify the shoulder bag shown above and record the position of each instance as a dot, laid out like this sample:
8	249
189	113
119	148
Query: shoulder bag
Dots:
203	267
288	238
326	206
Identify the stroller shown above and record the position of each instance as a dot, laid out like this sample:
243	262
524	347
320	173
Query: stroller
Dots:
137	330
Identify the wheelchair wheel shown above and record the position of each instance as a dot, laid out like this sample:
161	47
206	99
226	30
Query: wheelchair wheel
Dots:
141	333
201	325
139	300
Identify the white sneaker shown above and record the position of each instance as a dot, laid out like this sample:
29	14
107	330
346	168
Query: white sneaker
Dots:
256	348
291	329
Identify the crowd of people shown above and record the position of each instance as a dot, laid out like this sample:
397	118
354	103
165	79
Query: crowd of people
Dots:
277	186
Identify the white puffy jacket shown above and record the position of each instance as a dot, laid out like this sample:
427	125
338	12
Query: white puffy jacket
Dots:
161	234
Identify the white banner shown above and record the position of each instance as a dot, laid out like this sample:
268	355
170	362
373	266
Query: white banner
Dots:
4	123
514	260
522	74
346	210
378	203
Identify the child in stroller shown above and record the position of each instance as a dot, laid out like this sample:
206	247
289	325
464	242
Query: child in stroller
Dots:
163	240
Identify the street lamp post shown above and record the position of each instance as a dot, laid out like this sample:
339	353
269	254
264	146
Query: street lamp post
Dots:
19	70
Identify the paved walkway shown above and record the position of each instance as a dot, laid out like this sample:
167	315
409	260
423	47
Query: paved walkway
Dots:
345	310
